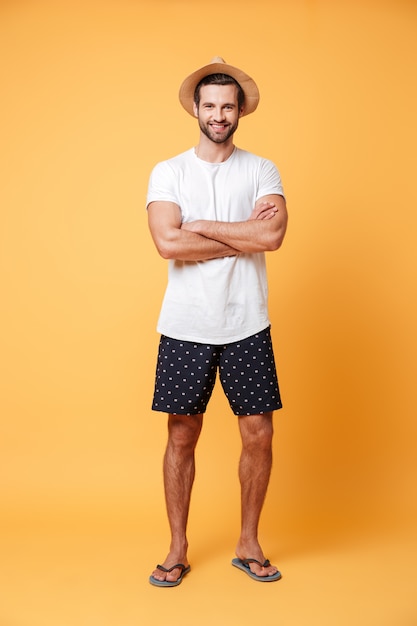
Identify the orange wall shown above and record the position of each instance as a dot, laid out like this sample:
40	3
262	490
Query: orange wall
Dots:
89	104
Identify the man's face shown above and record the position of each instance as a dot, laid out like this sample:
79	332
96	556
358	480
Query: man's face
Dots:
218	112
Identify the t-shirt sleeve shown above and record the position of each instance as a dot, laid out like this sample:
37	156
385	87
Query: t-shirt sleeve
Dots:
162	185
269	180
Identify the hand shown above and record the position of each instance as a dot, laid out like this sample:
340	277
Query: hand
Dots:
192	227
264	211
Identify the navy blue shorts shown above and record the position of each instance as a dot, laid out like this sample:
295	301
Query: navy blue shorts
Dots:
186	373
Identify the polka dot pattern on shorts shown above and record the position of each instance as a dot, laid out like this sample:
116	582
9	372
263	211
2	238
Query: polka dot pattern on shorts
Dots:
186	374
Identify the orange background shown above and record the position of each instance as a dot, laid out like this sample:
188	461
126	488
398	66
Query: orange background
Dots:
88	106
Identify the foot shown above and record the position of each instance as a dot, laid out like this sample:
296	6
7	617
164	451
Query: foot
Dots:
252	550
173	575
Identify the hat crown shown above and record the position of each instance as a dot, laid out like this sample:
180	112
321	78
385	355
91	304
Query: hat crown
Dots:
217	60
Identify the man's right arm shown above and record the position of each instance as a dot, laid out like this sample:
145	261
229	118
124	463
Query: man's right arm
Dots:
173	242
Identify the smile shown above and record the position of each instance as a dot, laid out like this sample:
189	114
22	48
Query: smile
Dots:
219	126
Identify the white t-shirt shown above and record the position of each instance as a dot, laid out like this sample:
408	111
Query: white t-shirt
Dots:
222	300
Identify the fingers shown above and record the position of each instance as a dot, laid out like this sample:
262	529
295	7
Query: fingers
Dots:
264	211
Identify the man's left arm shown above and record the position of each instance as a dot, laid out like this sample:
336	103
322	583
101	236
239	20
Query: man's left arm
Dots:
263	231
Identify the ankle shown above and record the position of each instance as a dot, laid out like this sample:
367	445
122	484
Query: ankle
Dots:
247	546
248	538
179	546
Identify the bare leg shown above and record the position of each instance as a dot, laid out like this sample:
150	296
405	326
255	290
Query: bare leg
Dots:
179	471
254	472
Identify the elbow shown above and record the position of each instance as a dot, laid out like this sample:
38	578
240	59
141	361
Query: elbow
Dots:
168	249
165	246
165	251
273	247
276	238
274	242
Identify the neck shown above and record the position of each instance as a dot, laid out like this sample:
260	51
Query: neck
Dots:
214	152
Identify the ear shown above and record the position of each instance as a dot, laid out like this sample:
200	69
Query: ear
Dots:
195	109
241	112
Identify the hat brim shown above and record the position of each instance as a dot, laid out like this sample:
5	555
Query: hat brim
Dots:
187	89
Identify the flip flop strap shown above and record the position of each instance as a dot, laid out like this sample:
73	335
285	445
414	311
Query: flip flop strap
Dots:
180	566
247	561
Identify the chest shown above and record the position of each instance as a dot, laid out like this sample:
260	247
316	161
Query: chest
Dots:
217	193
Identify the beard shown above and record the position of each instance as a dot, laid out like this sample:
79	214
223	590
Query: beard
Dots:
218	137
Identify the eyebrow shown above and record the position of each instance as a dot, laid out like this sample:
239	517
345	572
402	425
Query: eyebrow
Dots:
226	104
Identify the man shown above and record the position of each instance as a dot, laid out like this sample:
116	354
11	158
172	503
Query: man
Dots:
213	212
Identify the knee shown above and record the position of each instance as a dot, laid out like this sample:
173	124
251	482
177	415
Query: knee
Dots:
257	432
184	430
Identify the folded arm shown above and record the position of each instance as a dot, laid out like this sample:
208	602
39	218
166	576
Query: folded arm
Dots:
202	240
264	231
174	242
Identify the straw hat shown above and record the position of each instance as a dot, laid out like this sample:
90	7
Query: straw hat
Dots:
219	66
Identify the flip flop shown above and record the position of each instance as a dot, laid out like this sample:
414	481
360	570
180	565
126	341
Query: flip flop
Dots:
170	583
243	564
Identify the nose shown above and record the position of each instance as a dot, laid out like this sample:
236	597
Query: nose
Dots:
219	115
